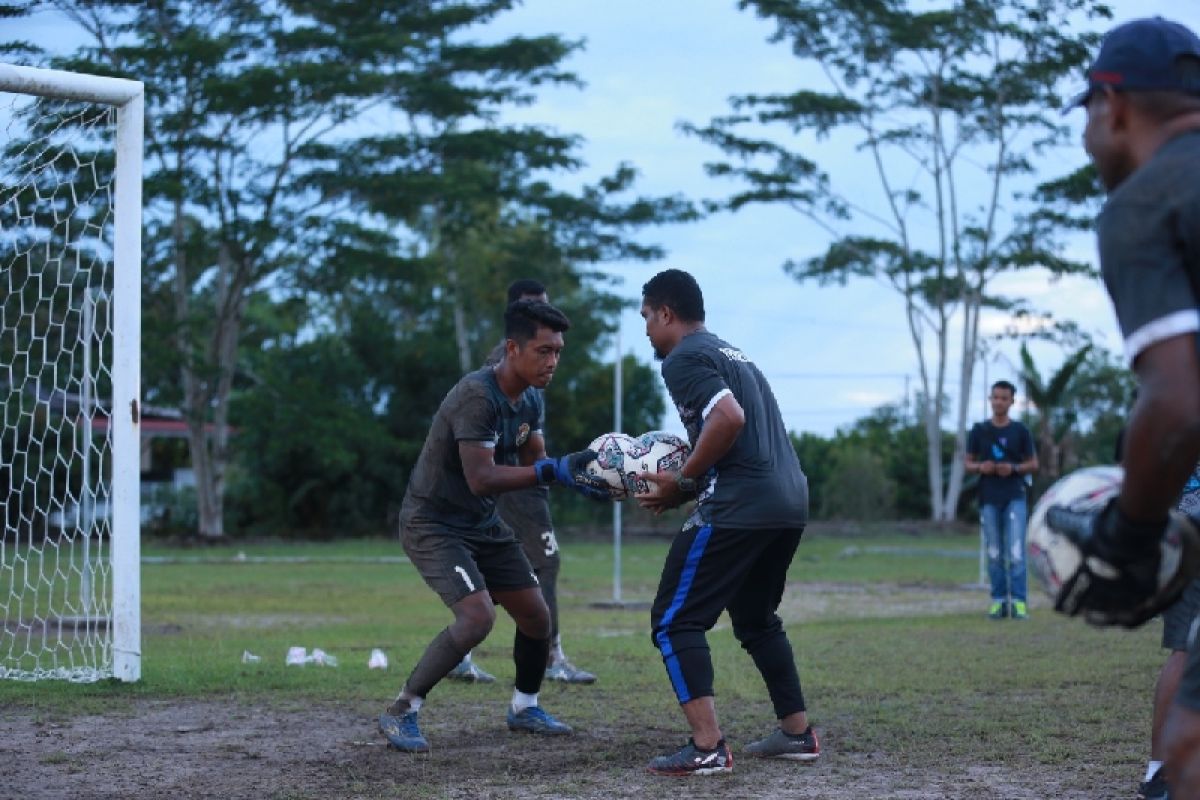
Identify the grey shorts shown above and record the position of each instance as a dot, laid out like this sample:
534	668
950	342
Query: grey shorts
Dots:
1177	619
455	565
527	512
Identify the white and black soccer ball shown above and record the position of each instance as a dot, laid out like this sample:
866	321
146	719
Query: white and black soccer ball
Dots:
620	457
1052	557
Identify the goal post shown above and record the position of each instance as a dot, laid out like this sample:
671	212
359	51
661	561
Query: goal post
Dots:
70	374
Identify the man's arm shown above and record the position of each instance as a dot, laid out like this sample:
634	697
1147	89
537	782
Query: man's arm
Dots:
1162	440
722	427
970	462
486	477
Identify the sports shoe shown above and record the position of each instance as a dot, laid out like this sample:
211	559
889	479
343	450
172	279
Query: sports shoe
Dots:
805	747
691	760
1020	610
534	720
402	732
469	672
1155	788
566	672
998	610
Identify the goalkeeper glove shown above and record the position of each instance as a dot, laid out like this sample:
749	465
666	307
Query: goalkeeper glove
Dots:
1128	571
571	470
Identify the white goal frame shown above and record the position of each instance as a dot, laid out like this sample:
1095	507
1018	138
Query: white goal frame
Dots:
127	97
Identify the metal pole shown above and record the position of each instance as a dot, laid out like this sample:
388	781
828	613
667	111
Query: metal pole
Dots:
618	392
86	508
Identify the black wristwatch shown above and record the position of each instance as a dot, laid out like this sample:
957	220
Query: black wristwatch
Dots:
686	485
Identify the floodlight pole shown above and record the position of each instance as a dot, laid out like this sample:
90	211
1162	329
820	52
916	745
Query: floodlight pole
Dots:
617	395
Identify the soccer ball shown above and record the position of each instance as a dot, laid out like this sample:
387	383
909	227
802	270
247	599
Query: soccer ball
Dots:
620	457
1052	557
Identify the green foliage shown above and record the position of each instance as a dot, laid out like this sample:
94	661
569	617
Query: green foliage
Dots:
952	108
858	487
316	279
869	469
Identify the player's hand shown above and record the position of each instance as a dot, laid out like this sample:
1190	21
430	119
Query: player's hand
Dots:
1128	571
1004	469
571	470
663	494
987	468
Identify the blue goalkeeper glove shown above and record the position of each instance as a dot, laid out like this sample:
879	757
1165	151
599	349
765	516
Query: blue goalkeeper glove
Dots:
571	470
1128	571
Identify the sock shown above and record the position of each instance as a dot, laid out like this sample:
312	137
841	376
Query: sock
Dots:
522	701
1152	769
556	651
402	704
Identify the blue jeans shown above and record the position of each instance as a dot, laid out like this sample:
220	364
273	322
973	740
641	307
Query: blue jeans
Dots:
1004	540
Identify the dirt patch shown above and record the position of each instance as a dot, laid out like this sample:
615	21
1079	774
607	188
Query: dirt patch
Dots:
223	749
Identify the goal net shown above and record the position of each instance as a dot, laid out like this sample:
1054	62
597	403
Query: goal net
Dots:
70	295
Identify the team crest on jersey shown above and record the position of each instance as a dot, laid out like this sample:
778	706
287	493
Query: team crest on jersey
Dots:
523	434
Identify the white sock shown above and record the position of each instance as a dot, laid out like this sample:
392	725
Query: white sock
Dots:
467	658
1151	768
414	702
522	701
556	651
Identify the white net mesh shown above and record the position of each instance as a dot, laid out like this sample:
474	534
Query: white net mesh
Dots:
56	349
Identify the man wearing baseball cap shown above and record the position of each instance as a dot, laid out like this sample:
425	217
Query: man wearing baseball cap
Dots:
1143	135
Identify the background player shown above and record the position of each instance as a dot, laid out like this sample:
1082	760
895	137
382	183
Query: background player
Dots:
527	512
456	540
734	552
1000	450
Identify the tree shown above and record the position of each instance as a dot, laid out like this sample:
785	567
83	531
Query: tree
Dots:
1057	416
248	106
962	96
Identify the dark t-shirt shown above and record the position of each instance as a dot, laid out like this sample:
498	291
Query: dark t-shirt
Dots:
475	410
758	484
1149	236
1011	444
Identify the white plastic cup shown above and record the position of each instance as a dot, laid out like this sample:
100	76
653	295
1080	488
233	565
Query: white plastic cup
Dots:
250	658
378	660
296	657
319	656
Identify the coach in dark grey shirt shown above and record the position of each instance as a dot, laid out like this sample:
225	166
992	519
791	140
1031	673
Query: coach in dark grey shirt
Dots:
733	554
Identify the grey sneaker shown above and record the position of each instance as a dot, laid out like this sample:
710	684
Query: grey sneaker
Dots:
691	760
566	672
534	720
804	747
469	672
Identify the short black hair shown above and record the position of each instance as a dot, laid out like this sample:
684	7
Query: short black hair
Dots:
1012	390
523	318
524	286
678	291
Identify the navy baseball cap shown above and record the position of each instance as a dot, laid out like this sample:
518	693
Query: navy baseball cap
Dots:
1144	54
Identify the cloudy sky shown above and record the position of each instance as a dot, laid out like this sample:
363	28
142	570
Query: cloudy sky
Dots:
831	353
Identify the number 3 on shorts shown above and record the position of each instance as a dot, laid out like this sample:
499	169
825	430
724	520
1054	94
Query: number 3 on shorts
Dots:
550	542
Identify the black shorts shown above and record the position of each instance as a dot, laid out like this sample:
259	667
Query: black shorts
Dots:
1177	619
455	565
527	512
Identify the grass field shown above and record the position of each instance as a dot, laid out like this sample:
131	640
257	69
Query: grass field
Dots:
914	692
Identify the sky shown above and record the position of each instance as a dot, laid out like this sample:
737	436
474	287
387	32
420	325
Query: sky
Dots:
830	353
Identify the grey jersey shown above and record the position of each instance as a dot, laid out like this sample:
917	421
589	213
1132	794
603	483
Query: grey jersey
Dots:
475	410
1149	235
758	484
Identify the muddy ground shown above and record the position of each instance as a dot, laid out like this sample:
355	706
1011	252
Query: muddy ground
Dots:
218	749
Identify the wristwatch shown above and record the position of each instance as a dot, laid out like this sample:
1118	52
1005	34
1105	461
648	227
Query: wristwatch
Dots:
686	485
